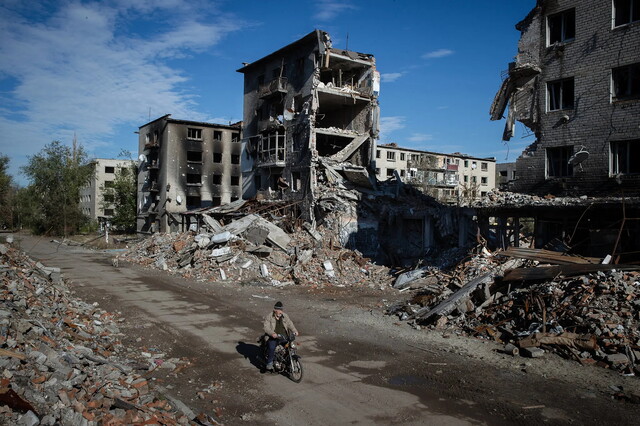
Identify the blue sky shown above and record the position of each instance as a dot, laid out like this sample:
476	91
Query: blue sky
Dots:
100	69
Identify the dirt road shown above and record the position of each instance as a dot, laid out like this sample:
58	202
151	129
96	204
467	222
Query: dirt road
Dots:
360	366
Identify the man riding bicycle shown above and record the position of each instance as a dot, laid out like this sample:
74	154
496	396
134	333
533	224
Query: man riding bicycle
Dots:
276	325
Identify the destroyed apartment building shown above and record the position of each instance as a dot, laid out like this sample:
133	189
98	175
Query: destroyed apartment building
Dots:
450	178
185	165
575	84
305	105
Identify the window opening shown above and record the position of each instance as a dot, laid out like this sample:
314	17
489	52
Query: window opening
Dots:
560	94
625	12
558	161
194	133
194	156
626	82
561	26
625	156
194	179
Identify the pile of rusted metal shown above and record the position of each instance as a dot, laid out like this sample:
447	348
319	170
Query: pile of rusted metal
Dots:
62	361
534	300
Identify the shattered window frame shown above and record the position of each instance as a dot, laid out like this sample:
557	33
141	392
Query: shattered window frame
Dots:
377	153
560	94
625	82
235	180
484	180
216	179
194	157
217	135
625	12
391	156
623	157
484	166
557	162
194	179
561	27
109	169
194	133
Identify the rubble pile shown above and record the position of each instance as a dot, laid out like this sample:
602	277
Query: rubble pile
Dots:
62	361
593	317
251	250
506	198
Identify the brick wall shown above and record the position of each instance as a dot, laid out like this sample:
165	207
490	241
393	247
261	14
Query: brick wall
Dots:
594	121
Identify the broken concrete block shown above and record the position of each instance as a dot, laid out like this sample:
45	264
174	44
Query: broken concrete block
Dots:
532	352
223	276
328	268
28	419
222	237
617	359
263	270
220	251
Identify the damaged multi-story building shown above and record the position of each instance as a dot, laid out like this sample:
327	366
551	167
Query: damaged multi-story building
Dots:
185	165
305	104
575	84
450	178
93	202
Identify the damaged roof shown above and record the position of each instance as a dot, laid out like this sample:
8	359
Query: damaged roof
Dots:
167	117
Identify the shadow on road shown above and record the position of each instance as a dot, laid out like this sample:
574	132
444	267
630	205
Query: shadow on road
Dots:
251	352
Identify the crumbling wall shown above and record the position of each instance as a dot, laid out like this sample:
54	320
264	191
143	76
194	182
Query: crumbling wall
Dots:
595	120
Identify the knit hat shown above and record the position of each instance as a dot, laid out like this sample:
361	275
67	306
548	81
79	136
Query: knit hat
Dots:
278	306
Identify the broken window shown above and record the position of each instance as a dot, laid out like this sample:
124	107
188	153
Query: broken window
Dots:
474	179
193	202
390	172
484	180
108	212
217	179
625	156
296	181
147	138
194	156
109	169
483	193
558	161
561	27
377	153
466	163
560	94
272	147
235	180
513	174
109	198
235	137
474	164
217	135
194	179
194	133
234	199
625	12
108	184
626	82
216	201
401	173
235	159
484	167
391	156
217	157
466	178
503	173
402	156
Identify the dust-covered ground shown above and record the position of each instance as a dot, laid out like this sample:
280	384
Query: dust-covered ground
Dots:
361	367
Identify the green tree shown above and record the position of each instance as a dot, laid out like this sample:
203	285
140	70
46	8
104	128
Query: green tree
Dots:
6	194
122	196
57	173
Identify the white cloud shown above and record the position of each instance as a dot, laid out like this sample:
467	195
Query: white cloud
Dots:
420	137
389	125
443	107
79	69
391	77
440	53
329	9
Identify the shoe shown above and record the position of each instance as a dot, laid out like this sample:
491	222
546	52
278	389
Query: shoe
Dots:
269	367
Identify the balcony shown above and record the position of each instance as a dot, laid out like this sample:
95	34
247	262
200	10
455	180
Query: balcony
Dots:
277	85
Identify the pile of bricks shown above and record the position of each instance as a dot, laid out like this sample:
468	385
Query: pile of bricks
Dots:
62	361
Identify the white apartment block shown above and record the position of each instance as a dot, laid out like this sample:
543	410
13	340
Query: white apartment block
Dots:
91	196
450	178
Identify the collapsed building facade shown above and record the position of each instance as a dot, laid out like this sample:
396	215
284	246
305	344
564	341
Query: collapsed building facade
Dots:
575	84
305	104
185	165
